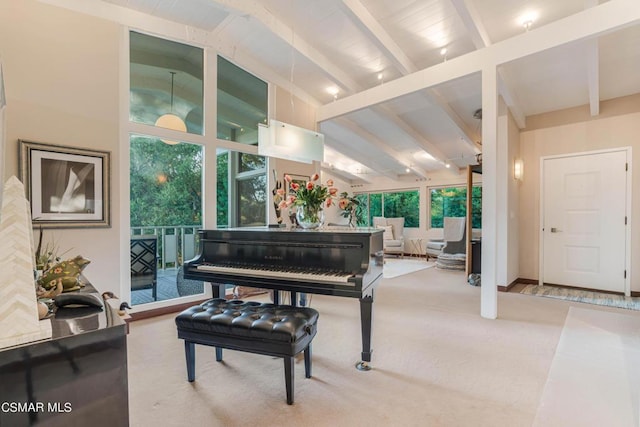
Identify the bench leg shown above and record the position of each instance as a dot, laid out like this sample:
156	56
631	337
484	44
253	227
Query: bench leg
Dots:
218	354
307	361
288	378
190	354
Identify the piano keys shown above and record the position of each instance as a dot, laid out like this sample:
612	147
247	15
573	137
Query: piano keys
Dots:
338	262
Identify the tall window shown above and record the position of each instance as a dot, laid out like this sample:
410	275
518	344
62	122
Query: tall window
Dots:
242	103
222	191
452	202
242	189
165	183
165	77
404	204
242	177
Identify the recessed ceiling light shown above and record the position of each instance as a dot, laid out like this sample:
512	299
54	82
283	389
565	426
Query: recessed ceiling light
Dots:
333	90
527	19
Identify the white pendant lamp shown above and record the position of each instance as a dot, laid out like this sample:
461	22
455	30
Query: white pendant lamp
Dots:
170	120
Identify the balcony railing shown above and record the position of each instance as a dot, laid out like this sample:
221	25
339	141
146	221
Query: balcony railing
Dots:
176	244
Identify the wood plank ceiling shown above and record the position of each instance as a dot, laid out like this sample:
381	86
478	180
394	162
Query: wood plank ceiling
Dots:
309	46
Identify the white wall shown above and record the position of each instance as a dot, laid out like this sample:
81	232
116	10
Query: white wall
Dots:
570	131
513	239
61	81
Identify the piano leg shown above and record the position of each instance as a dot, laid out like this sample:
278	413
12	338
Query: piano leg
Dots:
218	290
366	317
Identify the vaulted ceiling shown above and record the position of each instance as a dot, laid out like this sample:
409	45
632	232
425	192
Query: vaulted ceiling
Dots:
325	51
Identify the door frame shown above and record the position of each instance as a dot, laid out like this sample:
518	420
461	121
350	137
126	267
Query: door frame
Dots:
627	245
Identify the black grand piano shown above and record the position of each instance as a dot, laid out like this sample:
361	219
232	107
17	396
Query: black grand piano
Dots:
341	262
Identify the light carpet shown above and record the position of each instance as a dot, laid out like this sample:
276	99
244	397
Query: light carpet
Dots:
436	363
577	295
594	378
394	267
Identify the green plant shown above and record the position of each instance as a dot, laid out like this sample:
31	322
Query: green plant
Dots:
348	205
49	255
312	194
310	198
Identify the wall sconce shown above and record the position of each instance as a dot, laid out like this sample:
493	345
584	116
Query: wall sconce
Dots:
518	169
290	142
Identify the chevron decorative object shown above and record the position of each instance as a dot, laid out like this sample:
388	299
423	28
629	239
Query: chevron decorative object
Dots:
19	322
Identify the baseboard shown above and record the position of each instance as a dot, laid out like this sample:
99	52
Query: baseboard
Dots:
515	282
164	310
527	281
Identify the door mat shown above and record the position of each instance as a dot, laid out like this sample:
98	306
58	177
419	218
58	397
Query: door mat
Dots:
579	295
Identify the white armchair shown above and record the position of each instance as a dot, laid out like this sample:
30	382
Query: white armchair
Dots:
393	237
453	255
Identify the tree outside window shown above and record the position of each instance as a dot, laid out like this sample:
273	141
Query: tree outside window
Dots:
405	204
165	183
452	202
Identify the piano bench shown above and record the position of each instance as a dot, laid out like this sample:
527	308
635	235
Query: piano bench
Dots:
254	327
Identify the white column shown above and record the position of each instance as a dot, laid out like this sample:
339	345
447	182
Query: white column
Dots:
490	193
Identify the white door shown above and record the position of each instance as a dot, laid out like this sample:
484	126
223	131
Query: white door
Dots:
584	230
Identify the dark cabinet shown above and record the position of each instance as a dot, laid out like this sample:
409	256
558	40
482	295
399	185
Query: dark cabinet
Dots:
76	378
476	256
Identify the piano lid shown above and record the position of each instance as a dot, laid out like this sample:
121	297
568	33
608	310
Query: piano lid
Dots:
327	229
345	249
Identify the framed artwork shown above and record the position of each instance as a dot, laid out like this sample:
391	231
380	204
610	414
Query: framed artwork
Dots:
67	187
300	179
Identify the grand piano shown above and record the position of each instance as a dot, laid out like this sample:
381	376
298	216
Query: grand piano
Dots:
340	262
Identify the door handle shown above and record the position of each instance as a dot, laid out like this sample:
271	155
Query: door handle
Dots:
555	230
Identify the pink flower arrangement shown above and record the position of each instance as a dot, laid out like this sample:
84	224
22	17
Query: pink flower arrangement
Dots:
313	195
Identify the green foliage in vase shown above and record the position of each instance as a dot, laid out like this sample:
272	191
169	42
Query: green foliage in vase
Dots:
312	194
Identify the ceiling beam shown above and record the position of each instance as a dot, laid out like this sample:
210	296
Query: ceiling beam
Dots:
509	97
364	160
593	76
467	134
420	141
602	19
593	68
471	20
363	19
380	145
347	176
478	33
188	34
258	11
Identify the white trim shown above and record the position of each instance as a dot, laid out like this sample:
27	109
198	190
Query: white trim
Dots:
627	246
602	19
628	201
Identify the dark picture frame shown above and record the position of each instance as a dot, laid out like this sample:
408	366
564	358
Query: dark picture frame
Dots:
300	179
67	187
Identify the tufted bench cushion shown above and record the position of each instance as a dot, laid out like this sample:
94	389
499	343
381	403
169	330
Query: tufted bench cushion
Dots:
274	330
